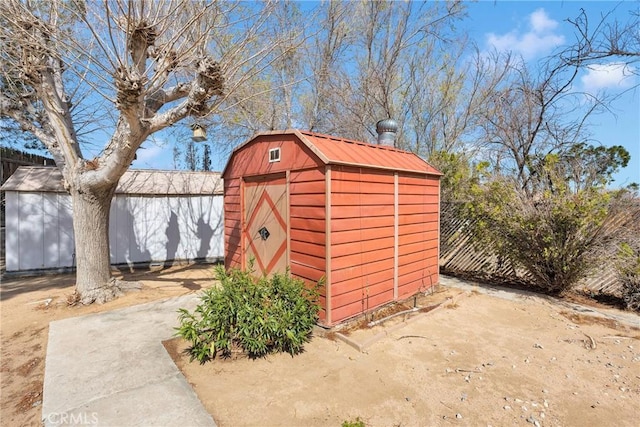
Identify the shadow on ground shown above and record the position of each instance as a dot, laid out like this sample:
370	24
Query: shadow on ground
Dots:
12	286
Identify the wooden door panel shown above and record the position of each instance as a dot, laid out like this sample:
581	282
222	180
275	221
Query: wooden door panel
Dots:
265	225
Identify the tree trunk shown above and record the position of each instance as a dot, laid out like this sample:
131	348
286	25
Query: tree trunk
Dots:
94	282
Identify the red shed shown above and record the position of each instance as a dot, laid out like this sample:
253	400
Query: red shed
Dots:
365	217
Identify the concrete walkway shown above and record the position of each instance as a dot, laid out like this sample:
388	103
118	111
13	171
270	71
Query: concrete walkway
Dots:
111	369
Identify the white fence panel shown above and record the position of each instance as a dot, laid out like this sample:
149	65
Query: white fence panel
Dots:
12	231
31	231
149	223
39	229
66	242
51	231
119	224
200	227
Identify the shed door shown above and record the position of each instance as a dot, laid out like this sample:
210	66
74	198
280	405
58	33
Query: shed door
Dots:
265	223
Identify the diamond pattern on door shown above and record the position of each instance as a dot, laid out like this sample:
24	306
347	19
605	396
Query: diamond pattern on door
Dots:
265	228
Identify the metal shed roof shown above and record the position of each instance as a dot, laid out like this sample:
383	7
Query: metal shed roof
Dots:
135	182
340	151
356	153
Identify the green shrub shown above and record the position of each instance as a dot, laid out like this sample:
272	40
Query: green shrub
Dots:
628	269
558	237
357	423
254	315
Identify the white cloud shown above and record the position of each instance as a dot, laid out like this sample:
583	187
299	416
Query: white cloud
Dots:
540	38
614	75
540	21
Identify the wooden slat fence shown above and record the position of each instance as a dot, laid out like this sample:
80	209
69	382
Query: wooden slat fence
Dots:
11	160
459	256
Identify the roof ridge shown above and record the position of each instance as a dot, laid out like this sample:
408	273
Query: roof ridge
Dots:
353	141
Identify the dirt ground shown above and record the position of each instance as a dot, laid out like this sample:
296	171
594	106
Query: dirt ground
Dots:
27	305
475	360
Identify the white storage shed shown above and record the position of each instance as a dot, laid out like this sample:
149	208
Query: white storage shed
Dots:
156	217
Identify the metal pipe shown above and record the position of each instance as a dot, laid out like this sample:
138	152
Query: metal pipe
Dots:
387	130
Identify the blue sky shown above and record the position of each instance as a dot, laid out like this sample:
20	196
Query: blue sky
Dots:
532	29
535	29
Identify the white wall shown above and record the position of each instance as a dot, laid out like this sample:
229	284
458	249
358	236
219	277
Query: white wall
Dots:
166	228
39	229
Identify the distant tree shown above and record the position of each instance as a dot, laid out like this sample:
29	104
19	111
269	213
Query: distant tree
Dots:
535	109
373	60
544	203
584	166
327	49
191	156
530	116
71	68
392	51
206	158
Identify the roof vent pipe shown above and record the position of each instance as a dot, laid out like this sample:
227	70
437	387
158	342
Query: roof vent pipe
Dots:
387	130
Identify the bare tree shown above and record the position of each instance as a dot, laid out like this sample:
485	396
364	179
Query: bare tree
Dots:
528	117
361	62
133	69
389	40
373	60
326	51
269	100
605	39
